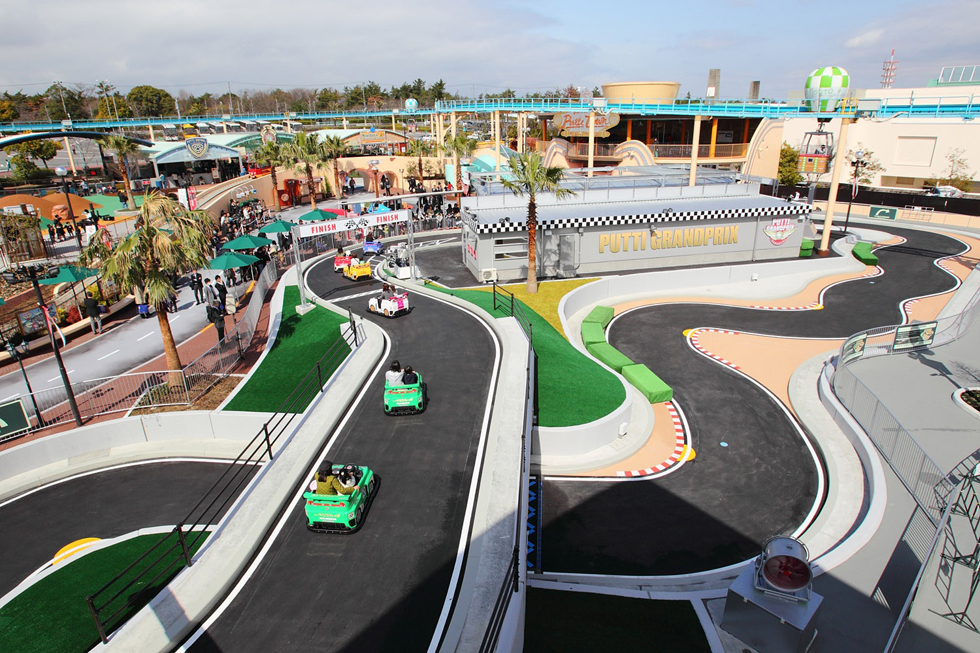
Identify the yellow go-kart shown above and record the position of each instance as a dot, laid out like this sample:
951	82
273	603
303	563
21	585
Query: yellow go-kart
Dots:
358	271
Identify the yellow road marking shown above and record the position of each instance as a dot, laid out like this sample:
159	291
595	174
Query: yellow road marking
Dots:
69	550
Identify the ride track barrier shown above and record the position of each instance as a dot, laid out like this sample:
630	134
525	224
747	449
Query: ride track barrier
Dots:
132	588
139	390
516	575
921	476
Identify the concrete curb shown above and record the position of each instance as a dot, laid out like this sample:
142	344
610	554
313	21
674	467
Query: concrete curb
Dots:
193	594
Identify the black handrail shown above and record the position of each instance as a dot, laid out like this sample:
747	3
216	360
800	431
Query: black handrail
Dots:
503	298
224	490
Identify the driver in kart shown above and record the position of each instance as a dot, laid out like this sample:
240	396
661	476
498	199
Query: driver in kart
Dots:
326	483
409	377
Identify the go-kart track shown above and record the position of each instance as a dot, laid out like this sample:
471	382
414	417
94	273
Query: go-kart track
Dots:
388	587
763	480
392	585
107	503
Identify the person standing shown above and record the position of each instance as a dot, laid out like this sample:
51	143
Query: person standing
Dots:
92	313
210	294
218	320
221	289
197	285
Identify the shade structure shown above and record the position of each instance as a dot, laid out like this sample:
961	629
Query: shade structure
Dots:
322	214
231	260
341	212
277	227
69	274
248	242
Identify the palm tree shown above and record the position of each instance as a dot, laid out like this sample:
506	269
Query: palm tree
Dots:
123	148
170	240
420	148
528	178
457	147
272	154
305	153
334	148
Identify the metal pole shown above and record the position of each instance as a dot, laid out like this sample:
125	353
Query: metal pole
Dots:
71	212
410	244
268	445
95	616
299	265
183	545
37	411
57	352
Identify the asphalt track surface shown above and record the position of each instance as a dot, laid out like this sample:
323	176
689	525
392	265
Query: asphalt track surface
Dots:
110	503
383	587
720	508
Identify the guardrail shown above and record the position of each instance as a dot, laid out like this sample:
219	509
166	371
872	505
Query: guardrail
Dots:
516	575
119	599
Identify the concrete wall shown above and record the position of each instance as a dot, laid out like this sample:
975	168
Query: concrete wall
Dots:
201	434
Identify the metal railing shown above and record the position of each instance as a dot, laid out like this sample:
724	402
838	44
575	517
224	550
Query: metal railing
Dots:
505	300
516	574
120	393
119	599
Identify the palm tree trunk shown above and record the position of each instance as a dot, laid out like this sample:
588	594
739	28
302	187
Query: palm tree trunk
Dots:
130	200
275	190
336	180
169	345
421	172
532	241
459	179
309	185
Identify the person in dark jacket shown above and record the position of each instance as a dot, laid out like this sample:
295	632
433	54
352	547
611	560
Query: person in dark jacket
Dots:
92	313
197	285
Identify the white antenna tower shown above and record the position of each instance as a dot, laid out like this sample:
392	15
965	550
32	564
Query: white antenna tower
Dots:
888	71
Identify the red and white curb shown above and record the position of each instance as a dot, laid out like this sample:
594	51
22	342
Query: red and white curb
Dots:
693	337
817	304
679	444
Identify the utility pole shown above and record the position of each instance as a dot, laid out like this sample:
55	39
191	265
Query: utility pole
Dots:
32	271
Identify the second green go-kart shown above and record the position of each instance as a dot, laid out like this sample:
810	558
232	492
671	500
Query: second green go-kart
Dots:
342	513
405	399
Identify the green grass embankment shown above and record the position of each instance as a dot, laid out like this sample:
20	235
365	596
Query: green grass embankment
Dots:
572	388
300	343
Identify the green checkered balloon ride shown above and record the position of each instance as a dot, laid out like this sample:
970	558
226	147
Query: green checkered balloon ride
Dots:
825	86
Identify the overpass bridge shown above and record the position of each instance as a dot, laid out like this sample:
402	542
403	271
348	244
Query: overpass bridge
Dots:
963	106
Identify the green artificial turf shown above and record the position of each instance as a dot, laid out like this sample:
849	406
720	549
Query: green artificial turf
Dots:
572	388
577	621
300	343
52	615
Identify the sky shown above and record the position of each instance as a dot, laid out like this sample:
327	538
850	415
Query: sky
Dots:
478	46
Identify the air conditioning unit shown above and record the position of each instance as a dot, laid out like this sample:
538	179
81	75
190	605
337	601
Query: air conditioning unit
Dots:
488	275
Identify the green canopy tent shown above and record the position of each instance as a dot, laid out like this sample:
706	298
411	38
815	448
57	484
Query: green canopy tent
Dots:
70	274
230	260
247	242
277	227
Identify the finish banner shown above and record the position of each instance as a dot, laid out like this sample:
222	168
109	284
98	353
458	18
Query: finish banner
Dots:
351	223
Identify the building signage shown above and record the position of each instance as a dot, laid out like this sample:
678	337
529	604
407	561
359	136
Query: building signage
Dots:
853	348
13	418
353	222
779	230
638	241
913	336
197	146
373	138
577	124
883	212
268	134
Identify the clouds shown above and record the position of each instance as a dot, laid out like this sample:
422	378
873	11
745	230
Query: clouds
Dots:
199	46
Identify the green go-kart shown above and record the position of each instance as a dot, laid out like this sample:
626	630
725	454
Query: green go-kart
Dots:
406	399
342	513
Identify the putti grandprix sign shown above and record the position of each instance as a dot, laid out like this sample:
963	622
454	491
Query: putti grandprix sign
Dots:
351	223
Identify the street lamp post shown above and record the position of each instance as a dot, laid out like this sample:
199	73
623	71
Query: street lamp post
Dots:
857	163
61	172
32	272
16	351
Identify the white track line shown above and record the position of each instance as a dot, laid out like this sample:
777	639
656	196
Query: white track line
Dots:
287	514
146	336
109	354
